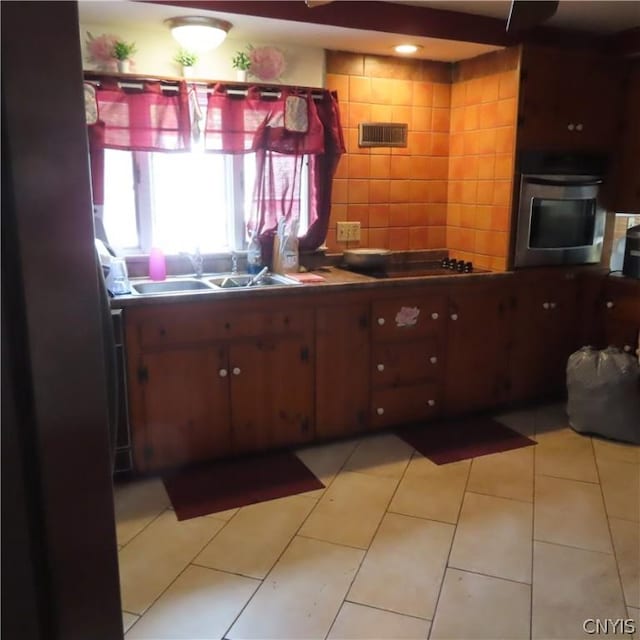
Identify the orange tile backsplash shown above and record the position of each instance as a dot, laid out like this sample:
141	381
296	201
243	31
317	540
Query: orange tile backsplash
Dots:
452	186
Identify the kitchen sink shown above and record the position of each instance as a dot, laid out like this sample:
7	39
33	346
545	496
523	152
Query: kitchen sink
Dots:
171	286
240	280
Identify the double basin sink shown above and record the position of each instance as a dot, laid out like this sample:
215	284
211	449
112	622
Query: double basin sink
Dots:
222	281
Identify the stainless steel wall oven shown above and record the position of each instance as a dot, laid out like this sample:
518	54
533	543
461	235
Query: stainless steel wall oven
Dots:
559	217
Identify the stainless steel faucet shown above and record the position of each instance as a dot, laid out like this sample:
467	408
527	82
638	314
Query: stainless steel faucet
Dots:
234	262
197	261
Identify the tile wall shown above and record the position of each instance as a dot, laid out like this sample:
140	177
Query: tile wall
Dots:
484	104
399	195
451	187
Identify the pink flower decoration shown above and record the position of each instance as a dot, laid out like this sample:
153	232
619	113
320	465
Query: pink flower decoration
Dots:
100	50
267	63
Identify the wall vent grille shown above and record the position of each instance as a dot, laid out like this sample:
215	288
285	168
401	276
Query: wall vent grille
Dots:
382	134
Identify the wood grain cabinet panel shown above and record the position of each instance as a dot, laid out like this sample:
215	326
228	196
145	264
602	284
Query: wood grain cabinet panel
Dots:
479	334
545	336
415	315
568	100
342	369
271	382
395	406
182	410
621	309
396	364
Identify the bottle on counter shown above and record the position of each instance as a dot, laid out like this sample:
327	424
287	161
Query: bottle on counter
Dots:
254	254
157	265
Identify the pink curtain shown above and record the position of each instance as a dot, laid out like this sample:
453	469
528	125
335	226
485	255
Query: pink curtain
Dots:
256	122
147	117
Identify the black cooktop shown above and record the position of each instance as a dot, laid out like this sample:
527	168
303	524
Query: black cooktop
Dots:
448	267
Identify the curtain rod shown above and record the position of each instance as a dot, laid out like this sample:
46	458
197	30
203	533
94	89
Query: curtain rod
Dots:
233	88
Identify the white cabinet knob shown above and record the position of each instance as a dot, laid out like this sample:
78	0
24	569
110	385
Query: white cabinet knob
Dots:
579	126
545	305
236	371
379	411
223	373
552	305
433	359
435	315
380	367
431	403
610	304
454	316
626	348
571	126
380	321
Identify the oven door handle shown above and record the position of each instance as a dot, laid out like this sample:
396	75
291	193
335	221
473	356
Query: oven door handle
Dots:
563	183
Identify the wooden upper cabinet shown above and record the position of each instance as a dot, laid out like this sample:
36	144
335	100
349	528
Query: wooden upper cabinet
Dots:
626	198
342	369
569	100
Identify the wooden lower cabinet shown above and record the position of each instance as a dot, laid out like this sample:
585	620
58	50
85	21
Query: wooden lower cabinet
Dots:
545	335
213	379
407	353
239	381
181	407
342	369
620	306
479	335
271	386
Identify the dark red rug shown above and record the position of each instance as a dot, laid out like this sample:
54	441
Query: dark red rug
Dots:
446	442
226	484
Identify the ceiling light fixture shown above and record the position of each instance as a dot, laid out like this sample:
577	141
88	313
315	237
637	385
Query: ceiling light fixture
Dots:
406	48
198	33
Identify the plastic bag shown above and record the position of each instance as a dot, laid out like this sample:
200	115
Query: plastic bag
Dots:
603	393
285	247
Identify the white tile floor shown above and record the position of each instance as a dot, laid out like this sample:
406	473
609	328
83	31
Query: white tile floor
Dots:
522	544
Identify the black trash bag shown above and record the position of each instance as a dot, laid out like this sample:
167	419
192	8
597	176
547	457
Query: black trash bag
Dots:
604	393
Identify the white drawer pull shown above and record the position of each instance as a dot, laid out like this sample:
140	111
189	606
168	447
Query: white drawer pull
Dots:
626	348
454	316
433	359
545	305
579	126
380	321
552	305
431	403
571	126
435	315
610	304
236	371
380	367
223	373
379	411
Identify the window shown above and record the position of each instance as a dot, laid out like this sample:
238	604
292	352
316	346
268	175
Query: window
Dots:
180	201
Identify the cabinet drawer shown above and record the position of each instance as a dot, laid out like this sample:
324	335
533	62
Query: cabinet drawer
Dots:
276	322
408	317
401	363
401	405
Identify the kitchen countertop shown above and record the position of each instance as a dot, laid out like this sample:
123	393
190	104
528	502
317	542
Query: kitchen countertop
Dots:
334	278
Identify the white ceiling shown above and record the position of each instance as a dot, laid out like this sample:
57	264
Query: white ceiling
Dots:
603	17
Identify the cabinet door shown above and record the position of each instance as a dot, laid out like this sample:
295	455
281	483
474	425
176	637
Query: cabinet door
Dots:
478	336
544	338
395	406
342	370
404	318
621	308
271	392
399	363
184	415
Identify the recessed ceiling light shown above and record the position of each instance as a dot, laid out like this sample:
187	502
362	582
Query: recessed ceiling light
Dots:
406	48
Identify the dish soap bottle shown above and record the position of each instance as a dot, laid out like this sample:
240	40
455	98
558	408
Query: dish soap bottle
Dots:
254	254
